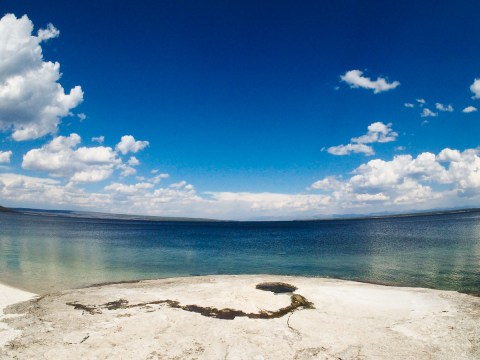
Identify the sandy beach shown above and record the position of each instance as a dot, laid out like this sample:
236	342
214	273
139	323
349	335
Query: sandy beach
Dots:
227	317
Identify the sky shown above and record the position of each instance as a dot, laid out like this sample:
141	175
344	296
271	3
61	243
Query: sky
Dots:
240	109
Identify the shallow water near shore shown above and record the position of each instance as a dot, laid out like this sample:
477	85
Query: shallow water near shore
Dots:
50	253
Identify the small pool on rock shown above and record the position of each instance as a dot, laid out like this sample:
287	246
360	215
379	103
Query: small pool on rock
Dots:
276	287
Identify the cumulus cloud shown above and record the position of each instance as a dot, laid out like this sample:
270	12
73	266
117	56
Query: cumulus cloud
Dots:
469	109
179	185
378	132
99	139
128	189
133	161
32	101
141	198
129	144
408	180
44	192
5	156
49	33
444	108
371	197
355	79
428	113
147	198
378	174
351	148
157	178
126	170
62	157
328	183
475	89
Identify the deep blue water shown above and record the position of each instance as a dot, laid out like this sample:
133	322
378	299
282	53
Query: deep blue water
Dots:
42	253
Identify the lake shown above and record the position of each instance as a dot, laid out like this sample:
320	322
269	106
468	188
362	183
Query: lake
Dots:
50	253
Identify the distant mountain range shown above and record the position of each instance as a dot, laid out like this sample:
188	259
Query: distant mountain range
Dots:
101	215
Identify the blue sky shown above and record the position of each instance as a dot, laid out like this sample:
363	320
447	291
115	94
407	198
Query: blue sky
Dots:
245	106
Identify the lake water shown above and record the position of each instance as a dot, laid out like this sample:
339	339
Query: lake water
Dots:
44	253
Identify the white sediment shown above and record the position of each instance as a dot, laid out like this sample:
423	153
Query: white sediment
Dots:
349	320
9	296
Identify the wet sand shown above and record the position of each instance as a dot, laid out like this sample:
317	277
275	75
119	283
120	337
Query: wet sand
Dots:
228	317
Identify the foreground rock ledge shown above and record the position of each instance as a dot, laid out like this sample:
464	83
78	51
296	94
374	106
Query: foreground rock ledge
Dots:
326	319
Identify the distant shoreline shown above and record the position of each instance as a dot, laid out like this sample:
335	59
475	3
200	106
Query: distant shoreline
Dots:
127	217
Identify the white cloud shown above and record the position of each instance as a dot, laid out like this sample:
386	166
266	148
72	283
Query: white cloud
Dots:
128	189
129	144
441	107
428	113
378	132
92	174
371	197
409	105
32	102
30	191
475	89
272	201
328	183
421	101
351	148
355	79
82	116
469	109
5	156
449	155
156	179
379	173
407	180
133	161
127	170
62	158
145	198
99	139
178	185
49	33
400	148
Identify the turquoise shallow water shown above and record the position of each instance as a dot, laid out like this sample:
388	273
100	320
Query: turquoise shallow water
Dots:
43	253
